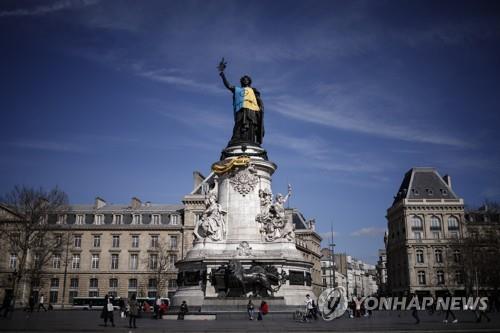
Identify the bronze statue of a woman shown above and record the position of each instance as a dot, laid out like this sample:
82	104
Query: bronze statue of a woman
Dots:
248	111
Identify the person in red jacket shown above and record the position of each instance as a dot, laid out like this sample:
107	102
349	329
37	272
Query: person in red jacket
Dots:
163	308
263	310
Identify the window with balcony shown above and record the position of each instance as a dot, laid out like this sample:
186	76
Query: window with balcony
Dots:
420	256
417	235
77	241
172	284
73	284
13	261
452	223
97	241
54	283
135	241
134	262
113	283
435	223
53	296
75	261
421	277
58	240
95	261
93	283
440	277
172	260
56	261
114	261
438	255
417	223
152	284
116	241
154	241
153	261
173	242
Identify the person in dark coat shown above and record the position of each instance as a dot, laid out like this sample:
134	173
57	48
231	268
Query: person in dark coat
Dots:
6	305
107	312
133	311
183	311
31	303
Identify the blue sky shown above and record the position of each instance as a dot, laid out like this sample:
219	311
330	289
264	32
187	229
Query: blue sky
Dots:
122	98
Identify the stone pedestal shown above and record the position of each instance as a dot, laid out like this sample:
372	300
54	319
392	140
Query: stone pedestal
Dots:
238	196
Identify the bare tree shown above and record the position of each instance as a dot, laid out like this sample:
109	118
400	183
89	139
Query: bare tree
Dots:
158	264
29	236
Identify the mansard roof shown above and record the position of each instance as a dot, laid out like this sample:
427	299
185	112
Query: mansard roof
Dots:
112	208
424	183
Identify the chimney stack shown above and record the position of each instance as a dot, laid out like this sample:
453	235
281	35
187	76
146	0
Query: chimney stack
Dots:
135	203
99	203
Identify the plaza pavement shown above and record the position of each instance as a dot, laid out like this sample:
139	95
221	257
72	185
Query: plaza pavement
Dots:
90	321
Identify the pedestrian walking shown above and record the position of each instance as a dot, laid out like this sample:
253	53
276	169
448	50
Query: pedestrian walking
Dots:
482	313
163	308
263	310
6	304
449	312
133	311
250	309
31	303
183	310
315	310
414	312
107	311
40	303
309	307
157	307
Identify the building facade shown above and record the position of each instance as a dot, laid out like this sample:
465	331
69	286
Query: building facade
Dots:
122	250
425	229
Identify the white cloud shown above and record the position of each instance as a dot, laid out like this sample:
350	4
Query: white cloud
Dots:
369	232
49	8
163	75
319	154
354	120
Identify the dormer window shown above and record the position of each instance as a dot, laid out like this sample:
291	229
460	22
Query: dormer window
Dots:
156	219
429	191
174	219
61	219
117	219
444	191
136	219
99	219
80	219
414	191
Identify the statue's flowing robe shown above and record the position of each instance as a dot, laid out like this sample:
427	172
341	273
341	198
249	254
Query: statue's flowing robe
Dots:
248	127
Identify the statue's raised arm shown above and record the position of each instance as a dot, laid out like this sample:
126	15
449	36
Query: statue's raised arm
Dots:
248	110
221	68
